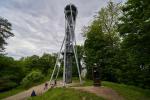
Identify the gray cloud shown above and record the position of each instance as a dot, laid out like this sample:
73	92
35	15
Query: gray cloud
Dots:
39	24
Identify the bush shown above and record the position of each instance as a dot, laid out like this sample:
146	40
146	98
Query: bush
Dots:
6	84
32	78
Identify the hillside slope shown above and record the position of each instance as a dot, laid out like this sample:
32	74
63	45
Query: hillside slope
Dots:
66	94
129	92
125	91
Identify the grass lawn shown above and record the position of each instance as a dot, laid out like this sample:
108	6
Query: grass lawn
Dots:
11	92
129	92
126	91
66	94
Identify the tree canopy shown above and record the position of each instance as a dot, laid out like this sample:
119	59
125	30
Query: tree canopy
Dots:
102	40
5	32
118	42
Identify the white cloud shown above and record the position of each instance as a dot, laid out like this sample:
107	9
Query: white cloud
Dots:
39	24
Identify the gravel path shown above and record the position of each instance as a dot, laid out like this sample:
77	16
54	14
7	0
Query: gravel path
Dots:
39	90
25	94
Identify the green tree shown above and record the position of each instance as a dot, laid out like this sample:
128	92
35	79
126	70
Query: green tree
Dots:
44	63
32	78
102	41
5	32
134	28
31	63
47	62
8	76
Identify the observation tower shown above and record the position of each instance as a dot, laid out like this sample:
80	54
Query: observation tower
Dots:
68	49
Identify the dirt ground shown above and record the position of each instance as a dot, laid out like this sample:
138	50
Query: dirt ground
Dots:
104	92
39	90
25	94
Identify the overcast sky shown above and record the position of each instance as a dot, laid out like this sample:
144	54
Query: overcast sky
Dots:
38	25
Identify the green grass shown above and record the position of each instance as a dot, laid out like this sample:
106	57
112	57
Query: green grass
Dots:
17	90
11	92
126	91
66	94
129	92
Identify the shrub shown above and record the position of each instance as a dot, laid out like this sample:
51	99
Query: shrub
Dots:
32	78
